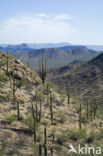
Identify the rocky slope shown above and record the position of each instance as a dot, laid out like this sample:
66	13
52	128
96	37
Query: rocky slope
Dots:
16	136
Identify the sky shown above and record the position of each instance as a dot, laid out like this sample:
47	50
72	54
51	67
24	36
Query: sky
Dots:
51	21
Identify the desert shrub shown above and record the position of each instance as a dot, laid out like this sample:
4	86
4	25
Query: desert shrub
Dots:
77	134
6	97
57	147
24	82
91	138
61	116
30	123
10	117
3	77
62	138
99	135
84	119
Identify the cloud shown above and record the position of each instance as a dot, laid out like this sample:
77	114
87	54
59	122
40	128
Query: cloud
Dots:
26	27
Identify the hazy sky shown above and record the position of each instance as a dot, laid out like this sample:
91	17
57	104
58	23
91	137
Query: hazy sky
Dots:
29	21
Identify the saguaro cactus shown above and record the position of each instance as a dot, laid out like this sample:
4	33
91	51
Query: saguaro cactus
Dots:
40	150
51	151
7	62
13	86
45	142
51	108
87	110
42	69
35	122
80	121
40	114
95	108
18	110
68	93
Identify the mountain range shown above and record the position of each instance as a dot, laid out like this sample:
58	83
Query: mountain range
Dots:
56	57
85	78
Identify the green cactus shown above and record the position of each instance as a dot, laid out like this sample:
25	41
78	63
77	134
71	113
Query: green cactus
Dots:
51	108
68	94
95	108
51	151
40	114
45	142
40	150
42	69
80	121
7	62
35	122
13	86
18	110
87	110
91	110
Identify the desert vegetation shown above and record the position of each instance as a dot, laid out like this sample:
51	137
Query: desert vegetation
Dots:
39	119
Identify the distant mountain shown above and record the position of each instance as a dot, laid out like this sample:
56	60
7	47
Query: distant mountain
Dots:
47	45
86	78
73	47
56	57
95	47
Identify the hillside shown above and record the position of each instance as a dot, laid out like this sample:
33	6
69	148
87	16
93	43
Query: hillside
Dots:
56	57
86	79
40	116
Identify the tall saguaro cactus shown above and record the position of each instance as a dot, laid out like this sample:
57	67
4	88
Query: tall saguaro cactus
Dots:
51	108
13	86
80	115
45	142
35	122
7	62
42	69
18	110
95	108
68	93
40	150
87	110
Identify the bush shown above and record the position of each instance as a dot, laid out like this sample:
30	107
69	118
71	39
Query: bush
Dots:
10	117
30	123
62	138
3	77
77	134
92	136
6	97
61	116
